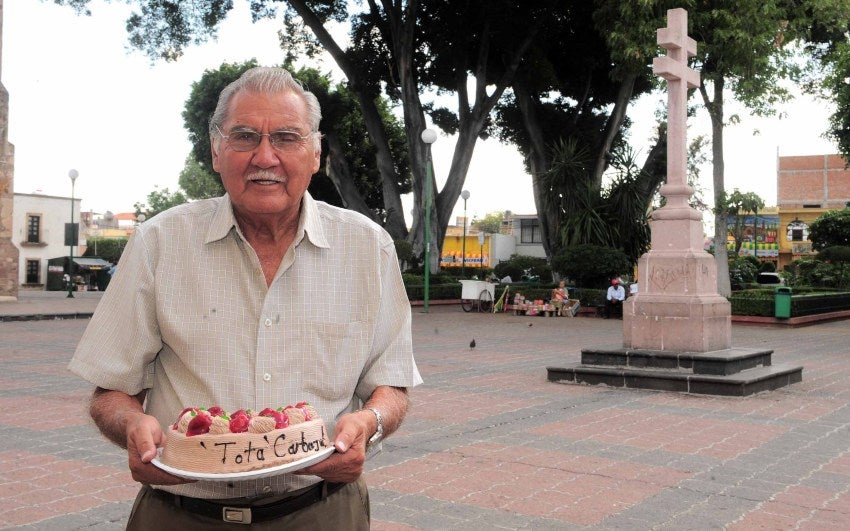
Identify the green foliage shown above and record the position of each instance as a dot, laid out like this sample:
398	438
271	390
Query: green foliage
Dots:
613	217
110	249
199	182
830	229
517	264
739	205
817	273
404	250
838	256
159	201
767	267
348	153
744	267
490	223
591	266
835	254
436	292
753	302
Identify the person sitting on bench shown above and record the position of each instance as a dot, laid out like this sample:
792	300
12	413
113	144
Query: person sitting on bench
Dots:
614	298
562	301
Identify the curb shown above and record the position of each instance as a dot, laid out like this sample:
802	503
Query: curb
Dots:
45	316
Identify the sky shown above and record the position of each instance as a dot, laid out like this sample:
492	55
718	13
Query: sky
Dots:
81	99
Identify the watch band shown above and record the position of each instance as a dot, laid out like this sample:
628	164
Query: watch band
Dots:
379	432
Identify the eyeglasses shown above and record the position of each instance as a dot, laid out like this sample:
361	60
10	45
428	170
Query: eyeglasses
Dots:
248	140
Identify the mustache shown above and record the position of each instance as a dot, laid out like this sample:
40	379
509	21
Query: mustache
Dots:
266	175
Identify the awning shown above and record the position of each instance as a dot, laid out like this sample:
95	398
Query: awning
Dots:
92	264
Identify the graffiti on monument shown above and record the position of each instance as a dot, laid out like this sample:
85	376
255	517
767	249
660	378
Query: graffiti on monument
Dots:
663	277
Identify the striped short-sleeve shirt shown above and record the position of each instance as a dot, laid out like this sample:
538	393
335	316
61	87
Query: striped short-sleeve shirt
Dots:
188	315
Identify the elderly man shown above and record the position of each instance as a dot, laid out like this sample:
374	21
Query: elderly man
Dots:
223	301
614	298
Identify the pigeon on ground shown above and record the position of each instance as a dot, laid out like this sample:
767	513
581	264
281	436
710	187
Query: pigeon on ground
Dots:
472	343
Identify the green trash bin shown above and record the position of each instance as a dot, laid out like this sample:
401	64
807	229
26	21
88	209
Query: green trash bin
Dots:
782	302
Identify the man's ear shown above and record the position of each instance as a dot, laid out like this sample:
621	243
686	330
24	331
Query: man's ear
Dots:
214	143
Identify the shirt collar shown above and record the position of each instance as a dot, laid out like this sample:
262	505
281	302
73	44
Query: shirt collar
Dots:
309	223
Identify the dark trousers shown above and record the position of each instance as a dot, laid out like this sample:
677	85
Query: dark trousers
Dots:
613	307
346	509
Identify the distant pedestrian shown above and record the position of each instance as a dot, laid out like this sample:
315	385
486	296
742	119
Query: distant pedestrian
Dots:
614	298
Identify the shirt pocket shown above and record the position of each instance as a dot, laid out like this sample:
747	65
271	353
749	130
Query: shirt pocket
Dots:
327	357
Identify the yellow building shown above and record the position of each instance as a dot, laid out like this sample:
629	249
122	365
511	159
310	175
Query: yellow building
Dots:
807	187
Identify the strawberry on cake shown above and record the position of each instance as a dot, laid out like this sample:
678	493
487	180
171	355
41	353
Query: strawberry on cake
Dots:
214	442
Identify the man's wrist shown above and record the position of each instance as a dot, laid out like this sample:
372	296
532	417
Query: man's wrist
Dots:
378	434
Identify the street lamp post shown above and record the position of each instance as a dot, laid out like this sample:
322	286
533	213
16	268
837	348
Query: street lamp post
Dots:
465	196
73	174
481	236
429	136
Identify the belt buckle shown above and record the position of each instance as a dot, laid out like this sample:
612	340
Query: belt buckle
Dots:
236	515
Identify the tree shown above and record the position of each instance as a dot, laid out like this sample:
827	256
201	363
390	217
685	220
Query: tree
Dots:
738	205
198	181
744	48
347	177
830	229
470	50
567	111
159	201
109	249
839	257
490	223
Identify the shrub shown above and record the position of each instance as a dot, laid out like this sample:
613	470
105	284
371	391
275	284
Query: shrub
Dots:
591	266
767	267
516	265
744	267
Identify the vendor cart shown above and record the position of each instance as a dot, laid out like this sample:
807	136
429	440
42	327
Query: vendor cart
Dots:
477	294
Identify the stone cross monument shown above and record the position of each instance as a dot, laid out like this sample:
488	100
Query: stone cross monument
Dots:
677	307
8	251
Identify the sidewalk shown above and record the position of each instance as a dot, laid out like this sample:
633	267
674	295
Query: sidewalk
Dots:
489	443
38	304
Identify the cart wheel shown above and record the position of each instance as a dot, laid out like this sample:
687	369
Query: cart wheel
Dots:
485	301
466	304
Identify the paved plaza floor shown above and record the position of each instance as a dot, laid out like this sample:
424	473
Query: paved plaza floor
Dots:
489	443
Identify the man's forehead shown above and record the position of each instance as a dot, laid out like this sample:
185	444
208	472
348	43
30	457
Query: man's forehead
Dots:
249	107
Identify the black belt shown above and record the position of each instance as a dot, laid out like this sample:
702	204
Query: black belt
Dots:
246	514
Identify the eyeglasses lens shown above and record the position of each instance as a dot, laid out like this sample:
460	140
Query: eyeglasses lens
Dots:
249	140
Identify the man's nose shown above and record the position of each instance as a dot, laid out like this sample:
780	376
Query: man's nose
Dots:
265	156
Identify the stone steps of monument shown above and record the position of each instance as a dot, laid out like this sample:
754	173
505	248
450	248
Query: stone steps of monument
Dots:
718	362
743	383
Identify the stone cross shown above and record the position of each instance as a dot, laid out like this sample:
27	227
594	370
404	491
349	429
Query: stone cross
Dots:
674	68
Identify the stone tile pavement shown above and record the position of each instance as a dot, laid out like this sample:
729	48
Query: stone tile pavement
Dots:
489	443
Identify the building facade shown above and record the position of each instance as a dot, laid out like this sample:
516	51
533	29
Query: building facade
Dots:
807	187
38	231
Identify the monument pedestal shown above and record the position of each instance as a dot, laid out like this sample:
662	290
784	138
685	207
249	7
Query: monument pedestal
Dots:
677	330
677	306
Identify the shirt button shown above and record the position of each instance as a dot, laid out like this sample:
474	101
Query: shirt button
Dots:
267	377
267	488
268	322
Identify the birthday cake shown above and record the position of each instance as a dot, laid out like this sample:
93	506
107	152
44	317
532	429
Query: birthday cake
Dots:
215	442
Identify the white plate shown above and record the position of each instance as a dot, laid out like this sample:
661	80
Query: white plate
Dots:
252	474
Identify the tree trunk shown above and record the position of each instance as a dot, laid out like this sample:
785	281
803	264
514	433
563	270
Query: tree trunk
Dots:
612	127
339	173
395	223
721	228
539	162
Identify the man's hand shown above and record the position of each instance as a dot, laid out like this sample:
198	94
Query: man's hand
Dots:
144	435
346	464
122	420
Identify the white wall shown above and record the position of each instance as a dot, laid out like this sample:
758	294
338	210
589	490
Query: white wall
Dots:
502	247
55	212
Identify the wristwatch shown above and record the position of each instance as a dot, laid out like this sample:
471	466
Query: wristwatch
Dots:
379	433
